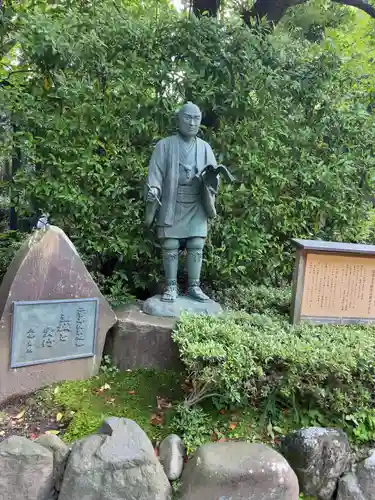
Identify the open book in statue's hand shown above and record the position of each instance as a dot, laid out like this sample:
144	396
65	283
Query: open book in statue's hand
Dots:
213	171
209	176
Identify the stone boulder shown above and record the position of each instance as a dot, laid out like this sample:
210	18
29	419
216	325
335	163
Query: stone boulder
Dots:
361	485
118	463
319	457
60	455
238	471
366	477
26	470
171	455
349	488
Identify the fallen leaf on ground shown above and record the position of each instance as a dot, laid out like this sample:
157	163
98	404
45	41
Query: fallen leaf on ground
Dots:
131	392
162	403
20	415
53	432
104	387
232	426
156	419
59	417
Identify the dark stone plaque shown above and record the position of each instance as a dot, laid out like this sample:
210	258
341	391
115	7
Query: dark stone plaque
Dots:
45	331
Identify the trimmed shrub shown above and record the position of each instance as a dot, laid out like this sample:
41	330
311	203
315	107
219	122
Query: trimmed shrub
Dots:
253	298
255	359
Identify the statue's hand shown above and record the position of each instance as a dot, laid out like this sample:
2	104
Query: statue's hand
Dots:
152	194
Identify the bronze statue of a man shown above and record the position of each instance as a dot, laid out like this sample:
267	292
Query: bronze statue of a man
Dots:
180	201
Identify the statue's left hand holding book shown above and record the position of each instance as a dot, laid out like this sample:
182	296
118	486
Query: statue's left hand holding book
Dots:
210	175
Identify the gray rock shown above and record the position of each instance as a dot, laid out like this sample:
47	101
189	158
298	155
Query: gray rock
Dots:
26	470
349	488
366	477
319	457
171	455
361	484
357	455
238	471
119	463
60	455
139	340
155	307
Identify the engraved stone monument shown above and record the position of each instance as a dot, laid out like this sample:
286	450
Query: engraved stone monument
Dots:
333	283
182	183
54	319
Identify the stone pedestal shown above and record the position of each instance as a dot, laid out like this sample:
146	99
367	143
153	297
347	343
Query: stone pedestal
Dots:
155	307
142	341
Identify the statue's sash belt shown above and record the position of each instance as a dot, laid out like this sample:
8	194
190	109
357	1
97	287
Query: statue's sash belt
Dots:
188	194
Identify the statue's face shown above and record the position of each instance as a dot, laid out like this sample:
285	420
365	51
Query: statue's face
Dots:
189	120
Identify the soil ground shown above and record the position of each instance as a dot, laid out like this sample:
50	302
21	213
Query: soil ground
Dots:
30	416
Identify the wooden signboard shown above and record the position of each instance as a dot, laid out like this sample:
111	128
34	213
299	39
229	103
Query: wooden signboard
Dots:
333	283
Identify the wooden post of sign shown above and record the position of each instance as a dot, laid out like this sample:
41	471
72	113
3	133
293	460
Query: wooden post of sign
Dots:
333	283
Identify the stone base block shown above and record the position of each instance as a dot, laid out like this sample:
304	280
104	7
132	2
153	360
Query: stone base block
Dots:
156	307
142	341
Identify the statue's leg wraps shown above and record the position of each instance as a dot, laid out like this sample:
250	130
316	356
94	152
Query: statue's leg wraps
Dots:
194	266
170	248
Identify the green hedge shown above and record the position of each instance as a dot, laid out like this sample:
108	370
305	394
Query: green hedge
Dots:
269	363
102	87
255	299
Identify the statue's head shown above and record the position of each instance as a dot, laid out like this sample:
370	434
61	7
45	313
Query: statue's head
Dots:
189	119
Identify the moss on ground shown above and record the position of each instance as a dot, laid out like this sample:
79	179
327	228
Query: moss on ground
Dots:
144	396
152	399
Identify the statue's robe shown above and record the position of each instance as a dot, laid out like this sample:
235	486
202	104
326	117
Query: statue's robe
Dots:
181	214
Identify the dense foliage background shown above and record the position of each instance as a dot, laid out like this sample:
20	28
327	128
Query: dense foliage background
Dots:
96	85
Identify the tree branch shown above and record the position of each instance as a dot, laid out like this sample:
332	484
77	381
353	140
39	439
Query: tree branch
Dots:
270	10
274	10
359	4
193	401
